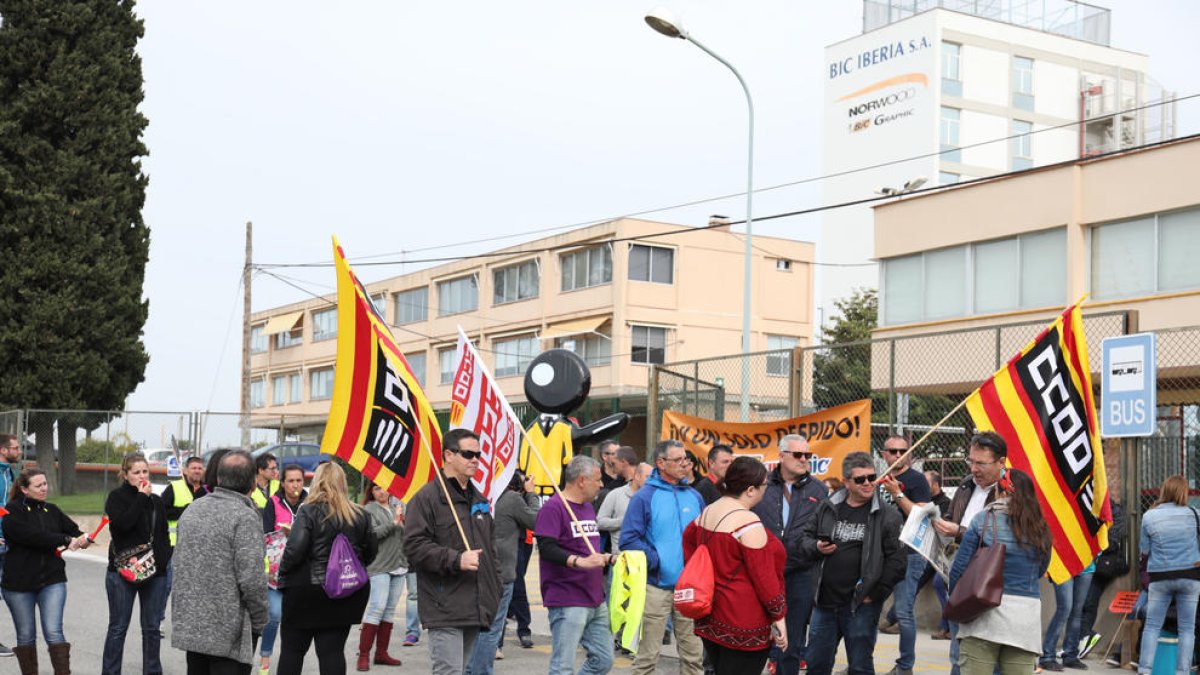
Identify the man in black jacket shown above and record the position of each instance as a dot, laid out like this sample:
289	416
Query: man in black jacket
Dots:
855	539
790	501
719	459
458	590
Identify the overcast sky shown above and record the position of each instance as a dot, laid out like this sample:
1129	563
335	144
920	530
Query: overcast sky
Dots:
401	126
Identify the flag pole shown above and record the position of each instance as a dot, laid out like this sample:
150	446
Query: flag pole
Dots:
536	452
445	491
932	429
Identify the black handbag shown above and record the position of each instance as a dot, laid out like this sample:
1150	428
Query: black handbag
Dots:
981	586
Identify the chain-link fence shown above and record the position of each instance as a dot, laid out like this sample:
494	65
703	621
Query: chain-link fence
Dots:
914	381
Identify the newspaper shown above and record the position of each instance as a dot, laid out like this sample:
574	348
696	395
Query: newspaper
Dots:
920	535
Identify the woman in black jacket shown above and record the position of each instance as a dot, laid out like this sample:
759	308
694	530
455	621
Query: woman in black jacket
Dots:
309	615
34	574
137	518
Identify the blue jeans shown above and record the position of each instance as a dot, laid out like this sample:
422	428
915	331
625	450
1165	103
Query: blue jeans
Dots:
411	614
385	593
939	589
152	598
483	654
274	611
587	627
799	590
1068	599
49	601
858	628
1185	592
906	597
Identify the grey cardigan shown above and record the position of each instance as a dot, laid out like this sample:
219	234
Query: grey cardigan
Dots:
390	537
515	513
219	595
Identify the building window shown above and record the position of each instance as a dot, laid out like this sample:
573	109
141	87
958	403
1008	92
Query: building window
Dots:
1022	83
294	388
514	354
379	302
258	340
257	398
412	306
948	178
320	384
596	350
1023	272
279	390
783	265
447	365
417	362
948	133
458	295
1021	145
325	324
951	60
1153	254
651	263
779	363
518	282
589	267
649	344
289	338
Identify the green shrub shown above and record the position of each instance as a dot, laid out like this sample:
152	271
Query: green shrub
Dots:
92	450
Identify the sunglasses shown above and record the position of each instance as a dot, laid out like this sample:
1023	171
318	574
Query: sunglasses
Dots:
797	455
869	478
466	454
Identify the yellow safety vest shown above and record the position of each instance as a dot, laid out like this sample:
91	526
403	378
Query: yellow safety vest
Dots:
556	451
183	497
627	598
260	500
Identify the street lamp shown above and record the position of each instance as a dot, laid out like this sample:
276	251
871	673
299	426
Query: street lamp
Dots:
908	187
663	21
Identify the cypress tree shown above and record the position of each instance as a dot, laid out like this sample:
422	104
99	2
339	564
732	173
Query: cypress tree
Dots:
73	241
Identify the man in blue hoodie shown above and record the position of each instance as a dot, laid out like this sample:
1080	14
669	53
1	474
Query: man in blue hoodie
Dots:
654	524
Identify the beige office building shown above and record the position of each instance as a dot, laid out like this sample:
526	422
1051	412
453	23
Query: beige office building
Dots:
623	295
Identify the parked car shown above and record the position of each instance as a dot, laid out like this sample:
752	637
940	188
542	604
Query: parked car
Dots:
307	455
158	456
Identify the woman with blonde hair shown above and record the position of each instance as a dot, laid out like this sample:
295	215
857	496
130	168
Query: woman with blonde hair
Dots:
309	615
1170	535
137	564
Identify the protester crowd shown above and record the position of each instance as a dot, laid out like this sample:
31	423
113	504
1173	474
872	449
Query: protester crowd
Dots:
742	566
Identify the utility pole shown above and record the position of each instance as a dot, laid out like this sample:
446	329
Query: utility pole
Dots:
246	336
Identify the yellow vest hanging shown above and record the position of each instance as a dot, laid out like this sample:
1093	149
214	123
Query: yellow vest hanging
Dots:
183	497
556	451
627	598
260	499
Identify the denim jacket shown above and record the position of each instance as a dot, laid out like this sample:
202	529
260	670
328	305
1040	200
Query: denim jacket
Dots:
1169	536
1023	565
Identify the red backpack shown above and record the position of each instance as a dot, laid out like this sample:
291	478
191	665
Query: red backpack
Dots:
694	588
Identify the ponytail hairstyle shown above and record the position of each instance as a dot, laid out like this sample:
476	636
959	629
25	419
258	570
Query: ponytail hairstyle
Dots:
127	463
744	472
1025	514
23	480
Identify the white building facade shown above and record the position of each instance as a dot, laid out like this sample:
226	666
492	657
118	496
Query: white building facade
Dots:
947	90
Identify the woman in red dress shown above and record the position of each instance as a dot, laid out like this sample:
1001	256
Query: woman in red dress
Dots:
749	605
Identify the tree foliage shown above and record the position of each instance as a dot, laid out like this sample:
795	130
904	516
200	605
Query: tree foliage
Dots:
71	195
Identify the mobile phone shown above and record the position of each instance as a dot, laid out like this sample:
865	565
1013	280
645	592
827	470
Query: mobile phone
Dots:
824	538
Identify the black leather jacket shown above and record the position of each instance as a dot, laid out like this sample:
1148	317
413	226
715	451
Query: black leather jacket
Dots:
884	559
307	552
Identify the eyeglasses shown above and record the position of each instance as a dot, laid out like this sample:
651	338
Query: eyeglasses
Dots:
797	454
676	460
895	451
609	453
466	454
972	463
869	478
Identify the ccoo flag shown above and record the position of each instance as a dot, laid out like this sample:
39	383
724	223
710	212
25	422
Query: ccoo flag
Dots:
1041	404
477	404
379	420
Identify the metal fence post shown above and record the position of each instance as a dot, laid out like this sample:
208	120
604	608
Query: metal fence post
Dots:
891	383
652	413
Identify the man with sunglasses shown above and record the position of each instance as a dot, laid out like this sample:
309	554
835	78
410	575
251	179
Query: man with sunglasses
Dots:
854	538
788	504
905	487
458	589
986	454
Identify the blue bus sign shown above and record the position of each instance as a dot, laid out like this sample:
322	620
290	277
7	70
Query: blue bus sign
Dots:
1128	386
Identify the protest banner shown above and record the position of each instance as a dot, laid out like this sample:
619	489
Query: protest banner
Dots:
832	433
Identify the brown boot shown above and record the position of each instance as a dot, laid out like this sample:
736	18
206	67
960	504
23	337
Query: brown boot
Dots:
60	658
365	639
381	645
26	658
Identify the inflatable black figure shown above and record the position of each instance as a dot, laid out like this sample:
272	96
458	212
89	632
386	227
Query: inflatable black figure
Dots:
557	382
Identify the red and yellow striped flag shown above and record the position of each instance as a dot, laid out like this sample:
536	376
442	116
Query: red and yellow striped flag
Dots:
379	420
1041	403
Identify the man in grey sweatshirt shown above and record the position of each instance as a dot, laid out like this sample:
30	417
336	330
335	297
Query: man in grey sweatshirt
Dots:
612	511
219	598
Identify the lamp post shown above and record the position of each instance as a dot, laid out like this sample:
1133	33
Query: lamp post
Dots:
666	23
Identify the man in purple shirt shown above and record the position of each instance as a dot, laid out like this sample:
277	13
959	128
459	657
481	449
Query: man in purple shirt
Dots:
572	575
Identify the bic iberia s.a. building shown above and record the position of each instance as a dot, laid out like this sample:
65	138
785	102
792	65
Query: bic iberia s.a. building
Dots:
623	295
